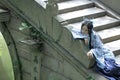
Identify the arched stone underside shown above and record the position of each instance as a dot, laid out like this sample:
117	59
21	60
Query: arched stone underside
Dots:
25	54
12	50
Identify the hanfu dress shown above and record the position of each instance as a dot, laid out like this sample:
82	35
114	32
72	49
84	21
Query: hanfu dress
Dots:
99	50
105	59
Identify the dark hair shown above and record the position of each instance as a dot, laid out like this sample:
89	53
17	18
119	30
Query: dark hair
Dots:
89	25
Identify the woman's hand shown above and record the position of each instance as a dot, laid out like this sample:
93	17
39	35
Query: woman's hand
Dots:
90	55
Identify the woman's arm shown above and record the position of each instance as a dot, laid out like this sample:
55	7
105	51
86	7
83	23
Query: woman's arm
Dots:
86	42
89	54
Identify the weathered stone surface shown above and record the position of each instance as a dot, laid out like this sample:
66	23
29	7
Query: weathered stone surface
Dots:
26	76
50	52
12	50
64	57
74	46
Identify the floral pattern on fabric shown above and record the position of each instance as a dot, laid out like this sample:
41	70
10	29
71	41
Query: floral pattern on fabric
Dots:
99	50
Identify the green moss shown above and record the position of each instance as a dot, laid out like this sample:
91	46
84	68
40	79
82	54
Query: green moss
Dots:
90	78
24	26
33	32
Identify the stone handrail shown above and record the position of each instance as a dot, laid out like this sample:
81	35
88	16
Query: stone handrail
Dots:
50	6
42	3
45	22
76	47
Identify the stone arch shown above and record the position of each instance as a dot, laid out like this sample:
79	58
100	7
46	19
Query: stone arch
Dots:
12	50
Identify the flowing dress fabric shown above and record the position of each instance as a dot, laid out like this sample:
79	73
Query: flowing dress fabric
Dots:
77	34
99	50
105	59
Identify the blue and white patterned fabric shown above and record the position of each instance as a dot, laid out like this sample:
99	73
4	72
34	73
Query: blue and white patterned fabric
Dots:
105	58
99	50
77	34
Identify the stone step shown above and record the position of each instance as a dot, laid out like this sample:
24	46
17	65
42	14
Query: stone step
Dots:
105	22
61	1
100	23
117	59
78	15
111	34
4	15
114	46
72	5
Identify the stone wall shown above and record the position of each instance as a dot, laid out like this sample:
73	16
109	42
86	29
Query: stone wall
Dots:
63	58
51	65
26	52
55	67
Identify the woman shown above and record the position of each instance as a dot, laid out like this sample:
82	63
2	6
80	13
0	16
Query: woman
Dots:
105	59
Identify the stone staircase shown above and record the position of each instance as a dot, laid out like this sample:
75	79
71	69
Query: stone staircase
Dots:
72	12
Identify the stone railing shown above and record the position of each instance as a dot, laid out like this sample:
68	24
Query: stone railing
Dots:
50	5
44	20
